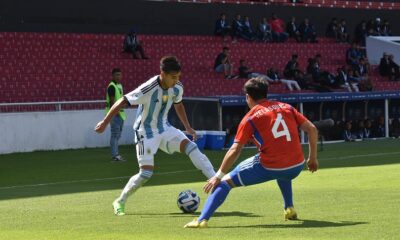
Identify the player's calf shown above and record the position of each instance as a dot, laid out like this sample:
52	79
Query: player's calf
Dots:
199	160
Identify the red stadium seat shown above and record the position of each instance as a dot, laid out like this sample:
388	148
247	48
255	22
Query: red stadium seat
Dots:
79	67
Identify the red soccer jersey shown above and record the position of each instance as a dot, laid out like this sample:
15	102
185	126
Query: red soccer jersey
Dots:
273	126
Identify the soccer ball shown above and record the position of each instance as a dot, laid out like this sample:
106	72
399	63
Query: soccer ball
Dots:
188	201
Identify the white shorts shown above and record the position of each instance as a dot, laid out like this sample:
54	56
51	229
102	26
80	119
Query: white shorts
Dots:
169	141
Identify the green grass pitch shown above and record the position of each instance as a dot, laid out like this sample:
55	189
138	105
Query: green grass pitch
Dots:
68	195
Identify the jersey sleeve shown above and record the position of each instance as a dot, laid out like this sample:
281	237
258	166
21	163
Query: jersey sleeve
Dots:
300	118
135	97
244	133
179	95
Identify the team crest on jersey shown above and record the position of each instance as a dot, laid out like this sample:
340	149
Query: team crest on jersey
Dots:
173	97
165	98
148	151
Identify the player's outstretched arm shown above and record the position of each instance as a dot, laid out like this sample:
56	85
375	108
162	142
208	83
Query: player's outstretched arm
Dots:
230	157
181	112
312	132
116	107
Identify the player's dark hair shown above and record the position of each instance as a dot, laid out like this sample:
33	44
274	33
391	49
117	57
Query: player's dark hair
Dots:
170	64
115	70
257	88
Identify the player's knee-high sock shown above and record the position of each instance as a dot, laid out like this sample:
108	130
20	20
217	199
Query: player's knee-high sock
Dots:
215	200
134	184
286	190
199	160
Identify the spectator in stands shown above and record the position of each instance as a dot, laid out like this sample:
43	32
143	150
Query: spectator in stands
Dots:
301	80
223	65
384	66
222	28
114	93
343	35
353	55
385	29
361	33
371	28
307	31
345	81
395	67
291	67
388	68
361	72
292	30
364	129
132	44
352	77
322	80
264	31
395	128
273	77
361	69
247	73
368	128
248	29
278	29
313	69
379	128
377	27
360	129
238	29
332	29
347	132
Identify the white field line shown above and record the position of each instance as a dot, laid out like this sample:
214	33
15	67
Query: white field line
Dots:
182	171
88	180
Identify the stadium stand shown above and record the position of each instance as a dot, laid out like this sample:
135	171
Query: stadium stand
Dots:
362	4
69	67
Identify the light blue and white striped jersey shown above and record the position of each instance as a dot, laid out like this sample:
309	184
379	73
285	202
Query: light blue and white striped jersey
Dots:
154	105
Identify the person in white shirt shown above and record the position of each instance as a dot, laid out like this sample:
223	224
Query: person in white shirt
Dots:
152	129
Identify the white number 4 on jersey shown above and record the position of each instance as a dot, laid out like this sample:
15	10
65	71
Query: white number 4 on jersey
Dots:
285	132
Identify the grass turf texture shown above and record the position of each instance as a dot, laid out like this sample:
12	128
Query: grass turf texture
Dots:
355	195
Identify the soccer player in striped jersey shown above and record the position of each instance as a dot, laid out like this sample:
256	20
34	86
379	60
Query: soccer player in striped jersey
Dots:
152	130
273	127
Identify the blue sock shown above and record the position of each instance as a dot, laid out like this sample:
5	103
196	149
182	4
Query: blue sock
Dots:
286	190
215	200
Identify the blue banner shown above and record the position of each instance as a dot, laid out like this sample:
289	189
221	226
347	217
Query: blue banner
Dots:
313	97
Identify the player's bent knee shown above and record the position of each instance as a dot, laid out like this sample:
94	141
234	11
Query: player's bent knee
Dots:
147	167
190	147
183	145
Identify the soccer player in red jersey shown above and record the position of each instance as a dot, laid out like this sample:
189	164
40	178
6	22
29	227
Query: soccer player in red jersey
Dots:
273	127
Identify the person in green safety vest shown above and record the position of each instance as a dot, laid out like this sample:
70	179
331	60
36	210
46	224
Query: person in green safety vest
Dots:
115	92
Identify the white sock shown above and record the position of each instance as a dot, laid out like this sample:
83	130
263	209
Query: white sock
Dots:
134	184
202	162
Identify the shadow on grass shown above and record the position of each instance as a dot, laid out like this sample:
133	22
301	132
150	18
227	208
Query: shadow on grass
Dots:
196	214
302	223
44	173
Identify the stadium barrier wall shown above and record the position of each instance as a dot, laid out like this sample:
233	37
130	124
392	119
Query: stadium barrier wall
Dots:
32	131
